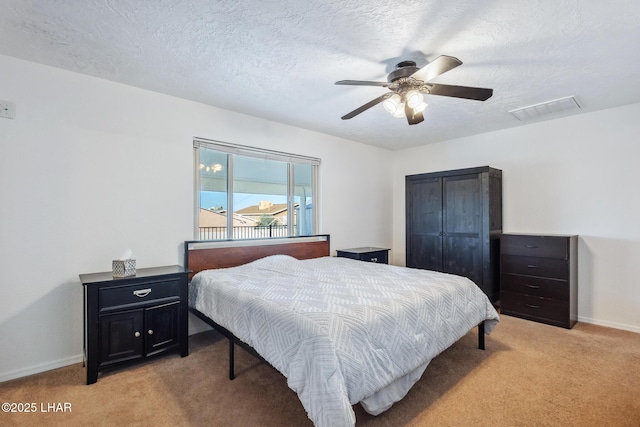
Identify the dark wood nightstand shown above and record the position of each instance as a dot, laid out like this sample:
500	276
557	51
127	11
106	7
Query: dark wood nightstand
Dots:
131	318
368	253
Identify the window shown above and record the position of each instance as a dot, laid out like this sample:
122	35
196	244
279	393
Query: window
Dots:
250	193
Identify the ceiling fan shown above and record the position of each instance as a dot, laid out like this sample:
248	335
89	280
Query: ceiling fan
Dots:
408	82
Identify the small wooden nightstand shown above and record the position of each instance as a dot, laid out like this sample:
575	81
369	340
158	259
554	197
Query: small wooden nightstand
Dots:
131	318
368	253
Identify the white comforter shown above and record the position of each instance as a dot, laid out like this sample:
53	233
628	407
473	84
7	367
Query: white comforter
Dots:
340	330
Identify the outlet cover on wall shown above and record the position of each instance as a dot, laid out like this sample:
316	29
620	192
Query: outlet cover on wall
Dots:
7	109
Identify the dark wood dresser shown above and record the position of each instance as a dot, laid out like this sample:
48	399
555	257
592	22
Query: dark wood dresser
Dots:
368	253
539	278
131	318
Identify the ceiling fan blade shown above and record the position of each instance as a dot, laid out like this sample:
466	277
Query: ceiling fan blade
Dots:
361	83
438	66
465	92
412	117
366	106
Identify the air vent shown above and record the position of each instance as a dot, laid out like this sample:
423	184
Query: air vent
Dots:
545	108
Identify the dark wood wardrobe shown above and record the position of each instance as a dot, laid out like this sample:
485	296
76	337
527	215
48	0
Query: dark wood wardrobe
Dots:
454	223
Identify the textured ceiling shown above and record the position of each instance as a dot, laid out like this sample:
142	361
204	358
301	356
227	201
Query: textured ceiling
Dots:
279	59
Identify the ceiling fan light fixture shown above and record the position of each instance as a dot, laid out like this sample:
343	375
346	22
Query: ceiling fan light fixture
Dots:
414	98
420	107
399	111
393	104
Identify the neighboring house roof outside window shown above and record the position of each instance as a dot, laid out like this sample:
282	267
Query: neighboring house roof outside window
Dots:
265	208
219	219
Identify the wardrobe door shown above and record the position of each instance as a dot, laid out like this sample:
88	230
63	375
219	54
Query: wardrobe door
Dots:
424	223
462	226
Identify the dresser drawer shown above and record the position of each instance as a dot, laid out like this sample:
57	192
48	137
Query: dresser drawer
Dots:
535	246
531	266
139	293
538	308
536	286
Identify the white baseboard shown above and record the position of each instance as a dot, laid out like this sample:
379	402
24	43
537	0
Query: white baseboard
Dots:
43	367
196	329
197	325
614	325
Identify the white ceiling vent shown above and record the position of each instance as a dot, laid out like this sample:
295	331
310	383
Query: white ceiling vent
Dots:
544	108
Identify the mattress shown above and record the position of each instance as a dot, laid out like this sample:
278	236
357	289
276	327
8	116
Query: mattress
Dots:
342	331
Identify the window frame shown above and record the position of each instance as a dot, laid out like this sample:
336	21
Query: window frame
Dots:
242	150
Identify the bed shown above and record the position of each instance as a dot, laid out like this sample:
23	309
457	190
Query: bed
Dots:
341	331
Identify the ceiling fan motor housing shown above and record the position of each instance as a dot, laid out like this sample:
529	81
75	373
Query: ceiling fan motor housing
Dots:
403	69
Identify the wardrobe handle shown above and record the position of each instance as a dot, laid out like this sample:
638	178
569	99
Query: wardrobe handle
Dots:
533	306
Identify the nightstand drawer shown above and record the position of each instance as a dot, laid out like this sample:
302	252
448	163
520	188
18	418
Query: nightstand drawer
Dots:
536	286
139	293
535	246
369	254
535	307
379	256
531	266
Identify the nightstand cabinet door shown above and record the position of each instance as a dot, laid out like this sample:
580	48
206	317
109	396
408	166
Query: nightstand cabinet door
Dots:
162	328
121	337
539	278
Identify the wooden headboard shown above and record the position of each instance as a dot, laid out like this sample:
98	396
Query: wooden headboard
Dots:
210	254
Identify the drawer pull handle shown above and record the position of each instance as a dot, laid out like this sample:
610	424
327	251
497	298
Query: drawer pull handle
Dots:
150	332
141	293
531	246
137	334
533	306
532	266
374	259
533	287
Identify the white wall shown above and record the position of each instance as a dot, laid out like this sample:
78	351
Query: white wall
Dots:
89	167
575	175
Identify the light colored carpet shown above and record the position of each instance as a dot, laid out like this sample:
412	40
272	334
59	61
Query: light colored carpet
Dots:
530	375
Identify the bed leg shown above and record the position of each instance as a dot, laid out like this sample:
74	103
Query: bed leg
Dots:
481	336
231	372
